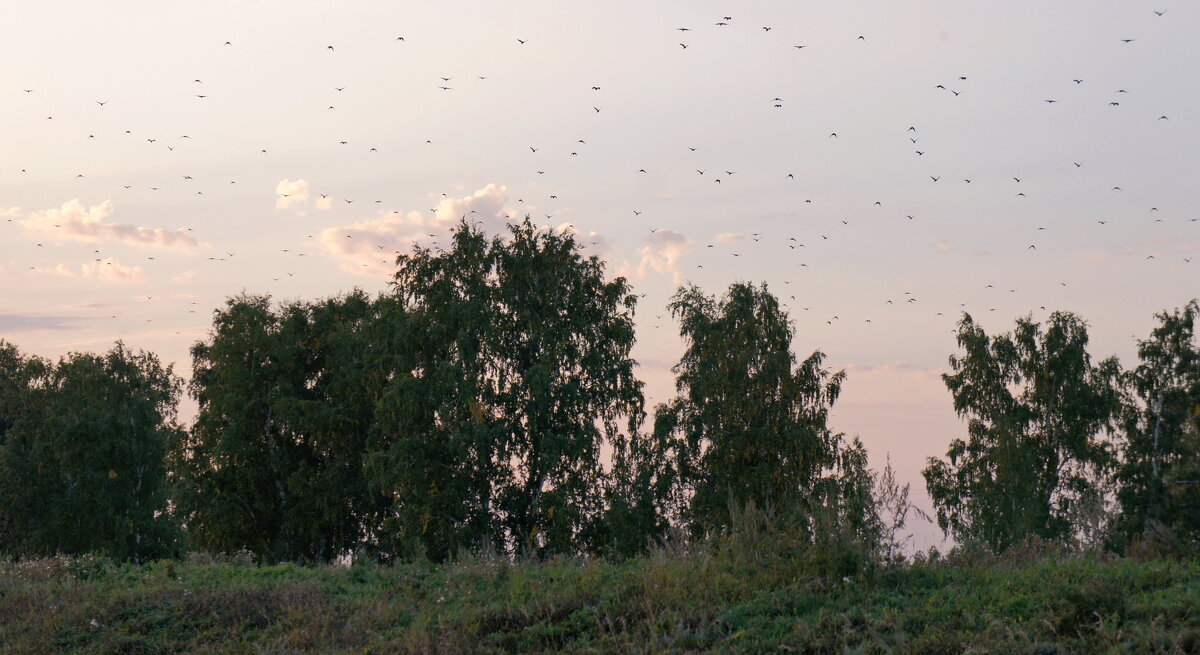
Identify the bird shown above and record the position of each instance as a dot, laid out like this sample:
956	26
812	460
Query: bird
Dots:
935	179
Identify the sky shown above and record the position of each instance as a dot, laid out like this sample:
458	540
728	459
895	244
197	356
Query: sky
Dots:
881	166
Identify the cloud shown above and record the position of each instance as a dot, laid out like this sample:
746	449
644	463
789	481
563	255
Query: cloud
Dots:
10	213
109	270
188	277
74	221
291	194
728	237
113	271
369	247
943	246
592	242
30	322
324	203
662	252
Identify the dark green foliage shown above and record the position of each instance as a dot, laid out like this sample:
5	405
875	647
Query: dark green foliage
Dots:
1159	476
81	454
274	462
642	497
1035	406
439	456
524	374
748	426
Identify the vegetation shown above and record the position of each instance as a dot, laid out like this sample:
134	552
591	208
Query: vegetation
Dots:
434	454
82	445
1035	407
742	594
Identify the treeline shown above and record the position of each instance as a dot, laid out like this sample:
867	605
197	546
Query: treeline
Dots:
488	403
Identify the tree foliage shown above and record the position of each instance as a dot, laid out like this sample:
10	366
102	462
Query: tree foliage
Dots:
1035	406
1159	476
274	461
82	443
749	426
526	370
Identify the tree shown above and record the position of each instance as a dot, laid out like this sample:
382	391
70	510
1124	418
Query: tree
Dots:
749	426
526	372
643	499
1035	406
81	462
440	455
287	397
1159	476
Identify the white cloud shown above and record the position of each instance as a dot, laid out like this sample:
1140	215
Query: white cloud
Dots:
188	277
112	270
369	247
324	203
10	213
943	246
291	194
74	221
728	237
591	242
109	270
662	253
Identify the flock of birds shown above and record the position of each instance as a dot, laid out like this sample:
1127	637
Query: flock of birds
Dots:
734	246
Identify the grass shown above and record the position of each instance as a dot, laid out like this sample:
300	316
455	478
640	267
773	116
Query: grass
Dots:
731	599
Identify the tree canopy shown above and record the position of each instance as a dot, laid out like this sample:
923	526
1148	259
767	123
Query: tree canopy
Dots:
1035	407
82	445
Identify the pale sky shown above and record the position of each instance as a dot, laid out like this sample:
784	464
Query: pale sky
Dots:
135	218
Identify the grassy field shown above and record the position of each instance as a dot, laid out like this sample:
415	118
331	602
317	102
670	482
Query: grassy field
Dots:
737	599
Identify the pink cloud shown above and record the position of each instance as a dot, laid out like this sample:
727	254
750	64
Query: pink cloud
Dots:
74	221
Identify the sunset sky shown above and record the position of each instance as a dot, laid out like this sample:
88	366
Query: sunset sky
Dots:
156	158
